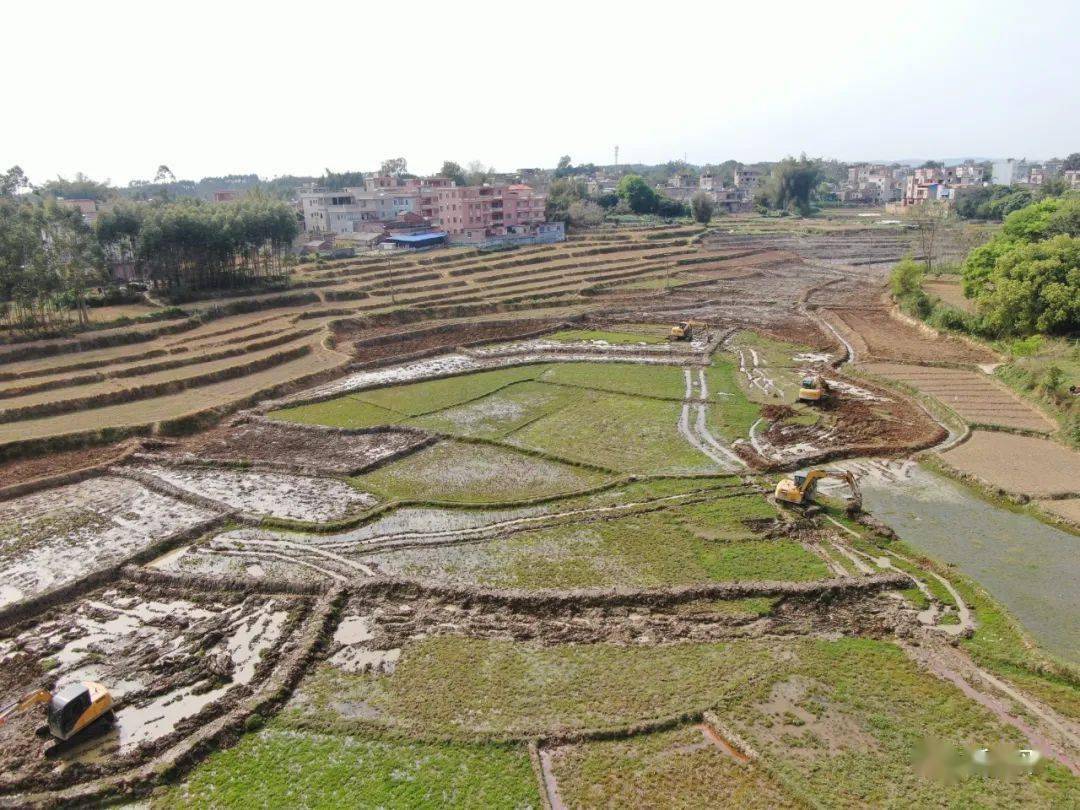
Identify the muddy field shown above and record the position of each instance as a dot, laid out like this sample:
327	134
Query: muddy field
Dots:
331	452
55	536
292	497
167	658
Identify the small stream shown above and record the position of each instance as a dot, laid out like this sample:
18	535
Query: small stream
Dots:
1031	568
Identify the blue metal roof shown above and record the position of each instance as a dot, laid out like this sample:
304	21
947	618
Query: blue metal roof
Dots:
419	237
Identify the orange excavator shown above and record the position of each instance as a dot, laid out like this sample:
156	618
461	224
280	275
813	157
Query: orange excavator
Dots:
71	709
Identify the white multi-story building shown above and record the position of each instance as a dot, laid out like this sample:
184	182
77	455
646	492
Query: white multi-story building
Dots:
347	210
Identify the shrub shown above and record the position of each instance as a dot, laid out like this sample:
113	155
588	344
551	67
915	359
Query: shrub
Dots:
906	279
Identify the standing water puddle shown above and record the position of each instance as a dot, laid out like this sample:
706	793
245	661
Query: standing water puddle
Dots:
1030	567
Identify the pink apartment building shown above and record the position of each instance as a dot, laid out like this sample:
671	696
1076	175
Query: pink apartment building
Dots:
478	213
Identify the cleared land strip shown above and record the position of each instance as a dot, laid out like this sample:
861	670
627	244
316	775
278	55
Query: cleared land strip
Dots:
976	397
886	338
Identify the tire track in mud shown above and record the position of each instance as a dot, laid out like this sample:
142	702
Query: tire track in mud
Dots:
1042	727
700	437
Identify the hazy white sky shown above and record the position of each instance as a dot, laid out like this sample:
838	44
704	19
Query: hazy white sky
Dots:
115	88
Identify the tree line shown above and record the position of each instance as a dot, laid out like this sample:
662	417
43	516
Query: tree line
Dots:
190	246
54	266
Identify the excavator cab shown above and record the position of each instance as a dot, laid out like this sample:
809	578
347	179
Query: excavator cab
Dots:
683	330
71	709
798	490
813	388
76	706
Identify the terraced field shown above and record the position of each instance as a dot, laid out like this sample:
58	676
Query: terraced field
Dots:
974	395
489	539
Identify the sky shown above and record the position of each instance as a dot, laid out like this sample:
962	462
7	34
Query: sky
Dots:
113	89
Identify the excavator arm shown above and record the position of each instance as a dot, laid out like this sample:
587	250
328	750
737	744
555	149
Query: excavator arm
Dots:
22	704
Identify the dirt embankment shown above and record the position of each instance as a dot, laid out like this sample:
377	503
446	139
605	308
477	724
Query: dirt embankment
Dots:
851	613
368	344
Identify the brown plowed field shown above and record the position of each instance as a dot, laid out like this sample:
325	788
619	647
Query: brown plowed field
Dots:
886	338
975	396
1021	464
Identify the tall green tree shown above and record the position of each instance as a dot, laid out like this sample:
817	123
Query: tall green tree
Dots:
453	171
13	181
791	185
701	206
639	195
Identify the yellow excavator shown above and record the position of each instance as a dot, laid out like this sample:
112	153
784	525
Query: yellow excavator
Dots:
799	489
71	709
813	388
684	330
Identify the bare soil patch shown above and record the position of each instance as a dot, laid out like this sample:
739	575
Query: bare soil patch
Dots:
887	338
18	471
950	291
336	452
1022	464
976	397
399	341
1068	508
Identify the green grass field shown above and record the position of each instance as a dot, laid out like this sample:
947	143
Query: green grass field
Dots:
459	686
622	432
679	768
279	767
629	335
838	715
623	378
686	545
478	473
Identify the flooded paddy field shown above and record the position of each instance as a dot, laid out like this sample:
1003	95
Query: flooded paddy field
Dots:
264	493
167	657
1032	568
53	537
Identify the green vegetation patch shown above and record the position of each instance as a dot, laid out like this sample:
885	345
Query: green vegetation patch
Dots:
622	378
732	413
679	768
475	472
279	767
621	432
460	686
672	546
631	335
841	724
502	412
434	395
343	412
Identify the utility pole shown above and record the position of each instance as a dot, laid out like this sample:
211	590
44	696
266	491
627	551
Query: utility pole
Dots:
616	156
